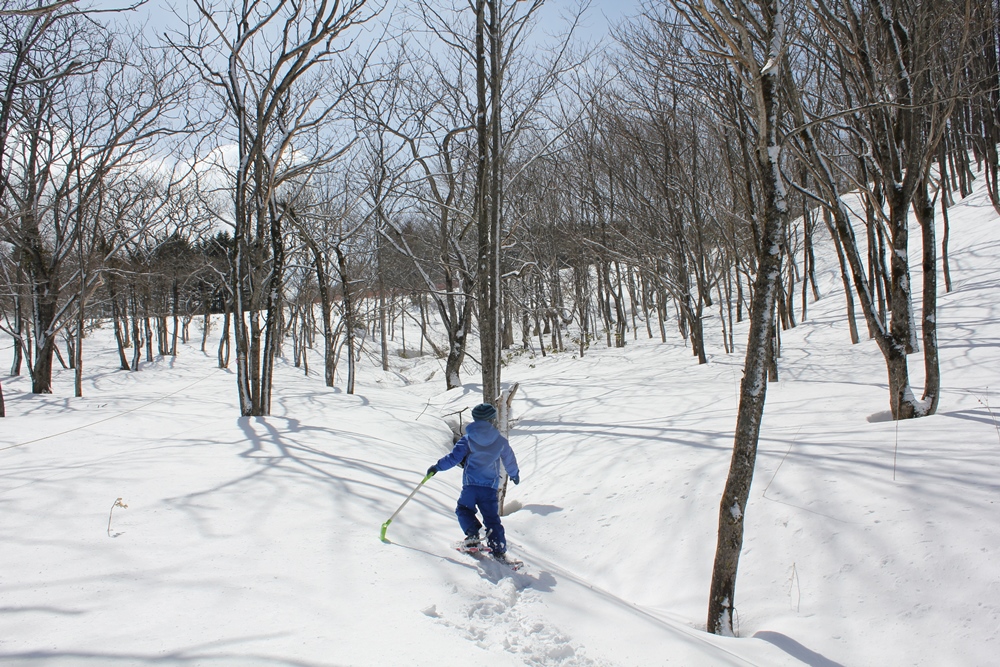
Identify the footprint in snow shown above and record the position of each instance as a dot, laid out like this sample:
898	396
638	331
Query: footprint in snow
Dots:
504	618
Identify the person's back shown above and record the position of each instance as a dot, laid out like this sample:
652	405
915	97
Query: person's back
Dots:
483	450
487	449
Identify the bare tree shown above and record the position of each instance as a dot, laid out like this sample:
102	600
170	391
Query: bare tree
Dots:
436	119
750	38
898	98
271	68
68	129
437	242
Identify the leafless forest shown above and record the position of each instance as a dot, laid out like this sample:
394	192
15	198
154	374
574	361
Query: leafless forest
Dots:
318	172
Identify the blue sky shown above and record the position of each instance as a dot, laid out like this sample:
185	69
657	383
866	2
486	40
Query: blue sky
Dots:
614	9
602	11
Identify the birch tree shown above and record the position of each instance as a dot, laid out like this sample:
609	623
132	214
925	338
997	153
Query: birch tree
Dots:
750	38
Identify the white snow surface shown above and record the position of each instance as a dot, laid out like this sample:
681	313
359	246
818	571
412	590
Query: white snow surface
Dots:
255	541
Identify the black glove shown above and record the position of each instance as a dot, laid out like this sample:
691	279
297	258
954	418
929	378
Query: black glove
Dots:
515	479
433	470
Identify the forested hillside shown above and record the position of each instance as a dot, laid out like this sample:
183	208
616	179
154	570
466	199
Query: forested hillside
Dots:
317	201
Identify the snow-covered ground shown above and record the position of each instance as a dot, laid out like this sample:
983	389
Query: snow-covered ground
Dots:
254	541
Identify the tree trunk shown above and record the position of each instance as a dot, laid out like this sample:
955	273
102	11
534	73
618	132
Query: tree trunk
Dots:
44	296
329	337
224	345
752	394
901	324
581	289
383	313
945	235
924	208
275	310
136	334
161	335
15	366
753	387
174	306
503	423
149	337
488	193
349	317
41	375
845	277
121	328
206	322
77	355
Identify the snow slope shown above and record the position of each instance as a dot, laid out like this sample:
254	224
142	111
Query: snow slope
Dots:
254	541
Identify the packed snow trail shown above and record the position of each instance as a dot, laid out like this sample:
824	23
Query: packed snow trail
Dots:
513	613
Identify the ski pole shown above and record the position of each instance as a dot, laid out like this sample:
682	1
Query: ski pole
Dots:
385	526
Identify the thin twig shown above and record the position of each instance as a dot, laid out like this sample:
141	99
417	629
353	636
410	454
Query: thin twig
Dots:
764	494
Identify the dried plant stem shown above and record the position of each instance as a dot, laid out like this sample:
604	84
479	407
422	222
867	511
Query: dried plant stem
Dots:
986	404
118	503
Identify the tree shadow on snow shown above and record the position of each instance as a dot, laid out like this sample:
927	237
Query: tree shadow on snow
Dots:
285	448
492	571
534	508
795	649
177	659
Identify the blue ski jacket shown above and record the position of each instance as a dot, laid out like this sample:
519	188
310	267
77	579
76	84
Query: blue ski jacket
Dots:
483	449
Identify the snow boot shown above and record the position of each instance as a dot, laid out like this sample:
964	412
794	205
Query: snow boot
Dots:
472	544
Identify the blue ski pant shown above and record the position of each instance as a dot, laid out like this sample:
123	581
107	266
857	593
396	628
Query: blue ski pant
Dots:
485	498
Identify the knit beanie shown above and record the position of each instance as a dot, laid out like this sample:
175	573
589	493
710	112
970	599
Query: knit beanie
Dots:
484	412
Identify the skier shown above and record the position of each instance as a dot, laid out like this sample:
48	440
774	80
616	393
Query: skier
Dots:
481	449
